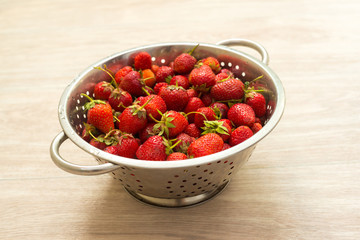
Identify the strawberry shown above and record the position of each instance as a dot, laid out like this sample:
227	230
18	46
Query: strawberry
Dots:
99	114
185	62
119	75
159	85
204	114
142	61
172	123
163	73
213	63
133	83
241	114
155	107
183	141
133	119
239	135
98	144
257	102
193	104
102	90
176	156
148	131
221	76
227	72
88	132
202	78
175	97
222	128
229	89
226	146
207	99
120	99
149	77
256	127
127	146
192	130
220	109
154	68
205	145
192	92
152	149
180	81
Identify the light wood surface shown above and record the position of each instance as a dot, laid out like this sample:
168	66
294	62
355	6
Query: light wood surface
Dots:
302	181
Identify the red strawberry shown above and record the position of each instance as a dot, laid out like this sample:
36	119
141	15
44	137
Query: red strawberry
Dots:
159	85
207	99
220	109
163	73
221	76
222	128
103	90
98	144
155	107
127	146
120	99
148	131
172	123
182	141
230	89
227	72
241	114
213	63
133	119
192	130
204	114
226	146
256	127
175	97
180	80
239	135
154	68
202	78
119	76
133	83
257	102
152	149
89	131
176	156
185	62
193	104
142	61
192	92
99	114
205	145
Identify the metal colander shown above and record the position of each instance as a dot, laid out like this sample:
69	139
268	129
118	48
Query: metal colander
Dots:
174	183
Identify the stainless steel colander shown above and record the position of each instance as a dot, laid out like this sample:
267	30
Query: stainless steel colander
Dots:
174	183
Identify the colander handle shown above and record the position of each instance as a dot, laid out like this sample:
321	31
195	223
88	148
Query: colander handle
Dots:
247	43
74	168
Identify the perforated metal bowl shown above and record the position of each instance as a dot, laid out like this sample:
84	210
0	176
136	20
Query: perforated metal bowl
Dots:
174	183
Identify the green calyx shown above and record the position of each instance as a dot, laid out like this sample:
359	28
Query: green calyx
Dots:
214	127
169	145
164	124
91	102
139	110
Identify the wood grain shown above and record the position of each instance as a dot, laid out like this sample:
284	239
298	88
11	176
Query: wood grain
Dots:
302	181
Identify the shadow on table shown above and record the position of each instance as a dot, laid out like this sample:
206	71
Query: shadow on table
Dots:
240	209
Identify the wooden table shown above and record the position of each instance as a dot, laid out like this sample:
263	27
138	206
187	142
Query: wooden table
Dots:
302	181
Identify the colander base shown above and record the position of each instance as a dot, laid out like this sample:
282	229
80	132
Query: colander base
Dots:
177	202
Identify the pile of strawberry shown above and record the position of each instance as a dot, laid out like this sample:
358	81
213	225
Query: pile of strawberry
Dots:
186	109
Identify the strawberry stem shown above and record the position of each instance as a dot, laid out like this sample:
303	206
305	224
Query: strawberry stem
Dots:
146	91
192	50
113	81
85	95
197	113
141	107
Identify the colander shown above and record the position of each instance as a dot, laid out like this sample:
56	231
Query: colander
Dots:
174	183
